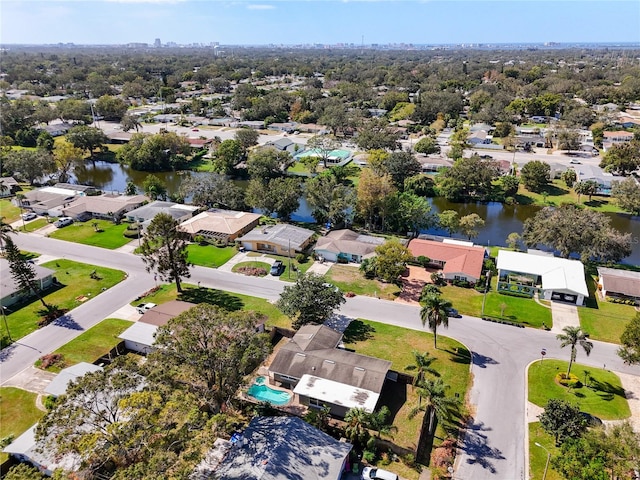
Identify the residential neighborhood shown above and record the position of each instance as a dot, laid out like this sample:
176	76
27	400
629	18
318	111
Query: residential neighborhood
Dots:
356	262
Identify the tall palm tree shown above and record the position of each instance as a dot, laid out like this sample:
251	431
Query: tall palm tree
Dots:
355	429
573	336
379	421
422	365
437	404
434	312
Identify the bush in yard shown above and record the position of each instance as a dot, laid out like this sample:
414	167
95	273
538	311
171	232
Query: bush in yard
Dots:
369	456
52	360
49	314
571	381
302	258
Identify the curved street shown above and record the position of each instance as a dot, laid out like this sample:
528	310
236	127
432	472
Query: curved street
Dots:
494	444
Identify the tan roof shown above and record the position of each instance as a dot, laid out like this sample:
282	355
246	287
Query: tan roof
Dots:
348	241
219	221
161	314
624	282
616	134
312	351
457	258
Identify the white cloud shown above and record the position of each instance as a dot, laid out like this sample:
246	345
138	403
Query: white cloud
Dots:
255	6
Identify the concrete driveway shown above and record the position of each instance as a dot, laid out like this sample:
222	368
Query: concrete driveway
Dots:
564	315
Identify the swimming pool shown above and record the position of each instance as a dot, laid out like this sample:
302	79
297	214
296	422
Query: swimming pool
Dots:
260	391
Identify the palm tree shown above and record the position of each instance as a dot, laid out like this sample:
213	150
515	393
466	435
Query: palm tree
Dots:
437	404
573	336
434	312
355	429
422	364
5	230
379	421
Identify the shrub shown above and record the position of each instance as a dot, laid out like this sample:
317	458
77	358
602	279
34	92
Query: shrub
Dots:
570	381
252	271
49	402
409	460
302	258
52	360
461	283
369	456
349	294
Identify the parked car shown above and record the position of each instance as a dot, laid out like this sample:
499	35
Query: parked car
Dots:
277	268
372	473
574	161
143	307
28	216
453	313
63	222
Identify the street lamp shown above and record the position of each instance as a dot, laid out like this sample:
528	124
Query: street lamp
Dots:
6	325
546	467
486	288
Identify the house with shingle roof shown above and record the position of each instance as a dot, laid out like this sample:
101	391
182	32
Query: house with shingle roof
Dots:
346	246
282	448
458	260
10	291
220	224
613	282
178	211
320	374
279	239
107	206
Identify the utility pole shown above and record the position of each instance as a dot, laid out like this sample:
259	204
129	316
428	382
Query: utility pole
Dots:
6	325
289	254
486	288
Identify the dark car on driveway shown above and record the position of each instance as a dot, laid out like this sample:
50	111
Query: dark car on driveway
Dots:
277	268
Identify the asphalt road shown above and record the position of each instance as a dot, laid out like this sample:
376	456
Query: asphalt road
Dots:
493	447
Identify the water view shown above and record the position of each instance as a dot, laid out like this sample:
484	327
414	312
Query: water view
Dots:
500	220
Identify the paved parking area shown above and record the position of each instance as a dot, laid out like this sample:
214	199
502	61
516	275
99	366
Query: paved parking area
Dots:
31	379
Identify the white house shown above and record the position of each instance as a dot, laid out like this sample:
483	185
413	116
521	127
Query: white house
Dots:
556	278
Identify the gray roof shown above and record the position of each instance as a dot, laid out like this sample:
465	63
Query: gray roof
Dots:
624	282
9	286
312	351
284	448
59	384
348	241
150	210
280	234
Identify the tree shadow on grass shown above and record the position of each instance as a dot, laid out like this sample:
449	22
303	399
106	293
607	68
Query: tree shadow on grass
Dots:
357	331
606	390
459	355
219	298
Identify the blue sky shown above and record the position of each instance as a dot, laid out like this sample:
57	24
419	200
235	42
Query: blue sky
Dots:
320	21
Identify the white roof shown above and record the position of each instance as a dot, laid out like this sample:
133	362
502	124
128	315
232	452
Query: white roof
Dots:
58	385
558	274
140	332
336	393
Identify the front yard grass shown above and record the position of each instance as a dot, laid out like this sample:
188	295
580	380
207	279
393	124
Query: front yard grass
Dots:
109	235
604	321
33	226
228	300
76	285
297	267
537	455
209	255
18	412
92	344
9	211
527	311
600	395
382	341
350	279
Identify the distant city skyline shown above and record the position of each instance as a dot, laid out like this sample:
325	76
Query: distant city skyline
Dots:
290	22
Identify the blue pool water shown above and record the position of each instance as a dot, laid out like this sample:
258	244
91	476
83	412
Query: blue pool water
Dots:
261	392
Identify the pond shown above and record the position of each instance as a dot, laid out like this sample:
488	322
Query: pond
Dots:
500	220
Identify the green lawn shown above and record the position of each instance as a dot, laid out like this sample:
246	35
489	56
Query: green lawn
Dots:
76	283
297	267
603	395
382	341
209	255
9	211
109	235
604	321
519	310
537	455
230	301
18	412
558	193
265	266
33	226
349	279
94	343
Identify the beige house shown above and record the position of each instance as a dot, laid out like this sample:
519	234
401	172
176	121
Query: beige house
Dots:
346	246
280	239
107	206
220	224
